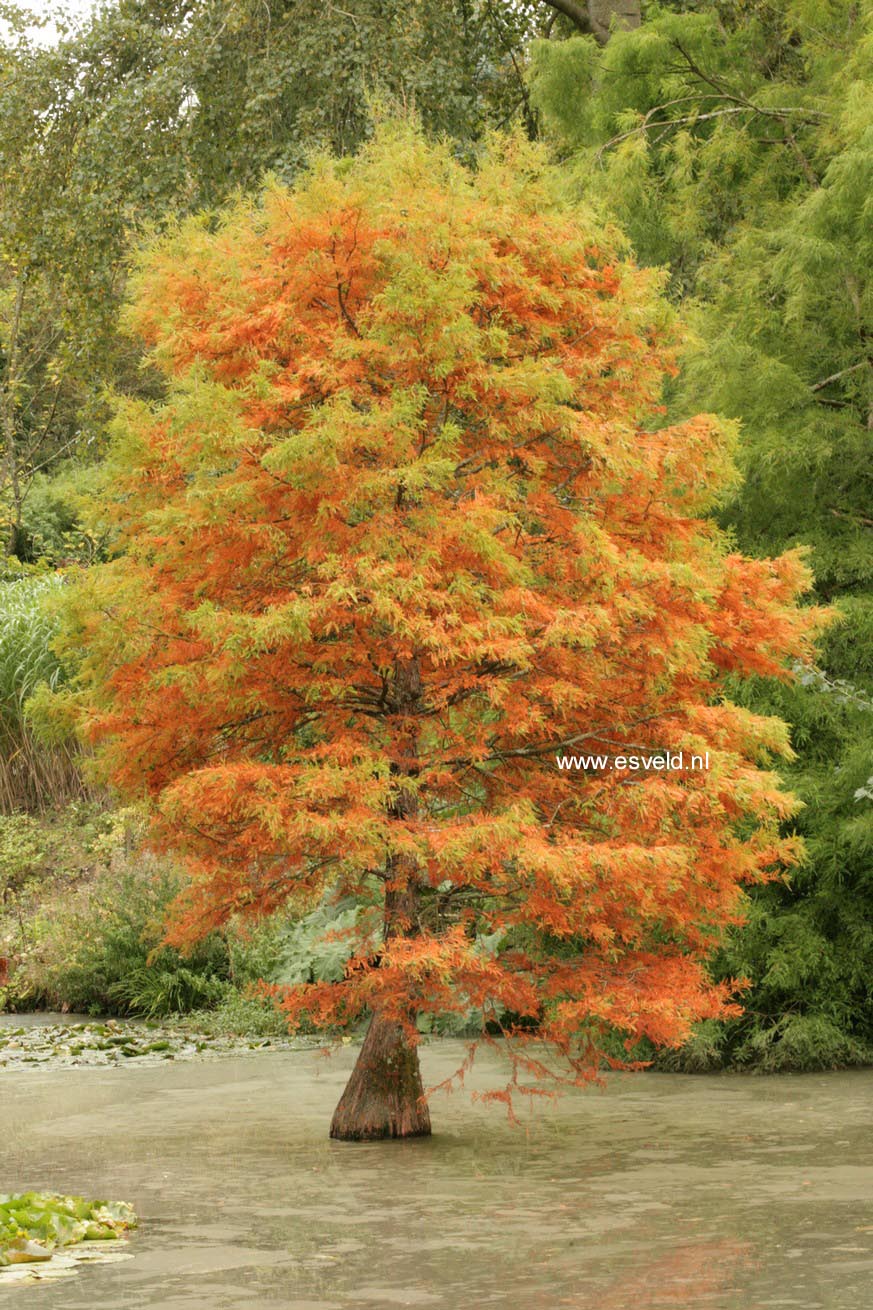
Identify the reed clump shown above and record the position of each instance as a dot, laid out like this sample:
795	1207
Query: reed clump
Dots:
35	775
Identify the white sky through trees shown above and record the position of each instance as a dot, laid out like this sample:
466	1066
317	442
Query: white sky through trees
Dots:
47	11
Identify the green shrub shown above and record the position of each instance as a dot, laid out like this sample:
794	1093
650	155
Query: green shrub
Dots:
807	1042
807	945
54	527
706	1051
82	914
315	947
82	919
23	850
165	986
83	922
99	950
241	1015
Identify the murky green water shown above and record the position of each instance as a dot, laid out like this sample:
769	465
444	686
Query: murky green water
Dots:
662	1191
42	1019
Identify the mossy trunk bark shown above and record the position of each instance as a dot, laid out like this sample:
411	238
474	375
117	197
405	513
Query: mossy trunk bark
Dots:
384	1096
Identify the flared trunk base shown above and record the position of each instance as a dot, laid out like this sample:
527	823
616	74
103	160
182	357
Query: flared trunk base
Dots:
384	1096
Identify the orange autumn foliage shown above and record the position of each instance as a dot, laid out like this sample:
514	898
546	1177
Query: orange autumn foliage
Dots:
404	528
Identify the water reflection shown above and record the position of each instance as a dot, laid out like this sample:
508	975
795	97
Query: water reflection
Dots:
689	1275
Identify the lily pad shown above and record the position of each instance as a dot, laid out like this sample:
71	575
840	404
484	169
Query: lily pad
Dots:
118	1043
34	1225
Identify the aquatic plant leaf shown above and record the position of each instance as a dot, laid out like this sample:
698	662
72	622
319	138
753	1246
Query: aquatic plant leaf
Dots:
34	1224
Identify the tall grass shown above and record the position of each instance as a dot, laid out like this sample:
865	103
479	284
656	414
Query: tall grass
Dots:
33	776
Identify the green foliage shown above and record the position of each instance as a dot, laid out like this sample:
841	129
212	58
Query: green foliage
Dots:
33	1224
704	1052
244	1014
807	946
61	244
735	145
81	919
152	110
266	81
33	775
802	1041
54	524
26	635
315	947
100	952
808	943
22	850
166	987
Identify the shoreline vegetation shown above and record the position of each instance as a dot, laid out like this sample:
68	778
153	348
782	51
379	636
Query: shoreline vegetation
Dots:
78	1041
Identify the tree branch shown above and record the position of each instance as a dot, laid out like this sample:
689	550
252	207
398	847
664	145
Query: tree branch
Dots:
853	368
852	518
688	120
577	14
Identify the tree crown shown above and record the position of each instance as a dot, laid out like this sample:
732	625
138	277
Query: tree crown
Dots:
403	529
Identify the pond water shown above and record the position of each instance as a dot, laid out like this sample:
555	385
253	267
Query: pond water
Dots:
43	1019
694	1193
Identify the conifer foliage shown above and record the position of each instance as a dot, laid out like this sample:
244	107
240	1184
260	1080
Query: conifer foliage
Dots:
403	529
734	144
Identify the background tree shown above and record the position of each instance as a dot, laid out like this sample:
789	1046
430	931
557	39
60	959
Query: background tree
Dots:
154	110
70	203
403	529
734	146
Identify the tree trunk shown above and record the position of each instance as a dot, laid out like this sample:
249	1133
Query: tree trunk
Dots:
8	396
596	16
602	14
384	1096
